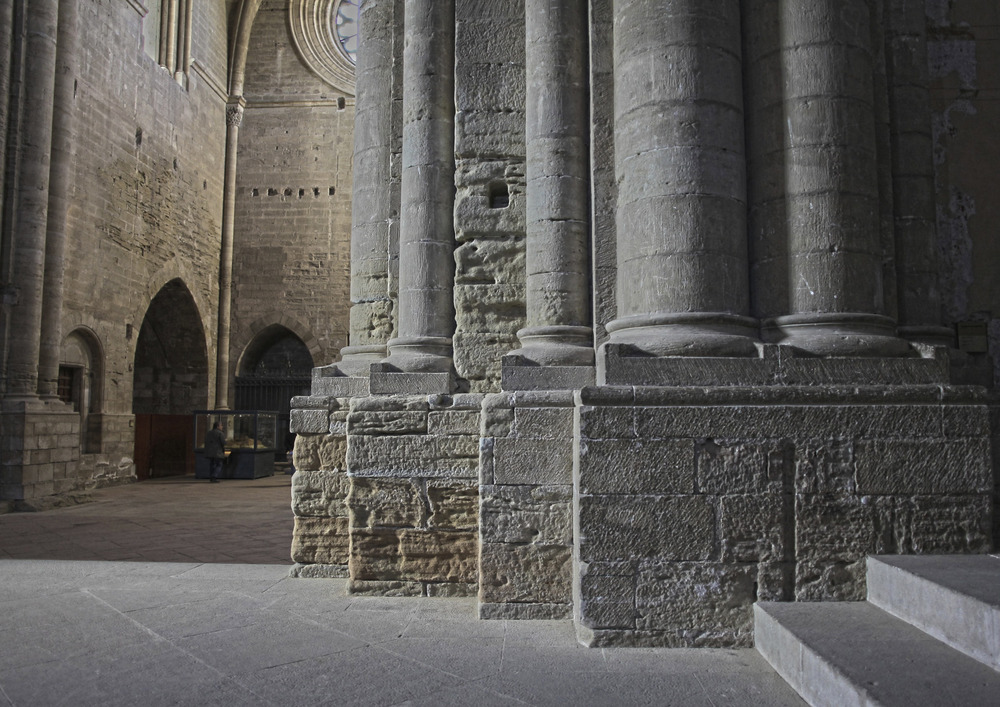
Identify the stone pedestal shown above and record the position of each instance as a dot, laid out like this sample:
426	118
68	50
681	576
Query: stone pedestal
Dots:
413	500
692	503
525	511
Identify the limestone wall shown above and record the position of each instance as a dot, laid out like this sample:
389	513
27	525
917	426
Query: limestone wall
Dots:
146	199
293	198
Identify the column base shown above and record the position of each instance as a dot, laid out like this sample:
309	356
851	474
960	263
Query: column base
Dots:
556	346
932	335
838	335
686	334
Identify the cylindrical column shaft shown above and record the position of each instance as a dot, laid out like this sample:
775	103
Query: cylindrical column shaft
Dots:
919	297
558	330
426	320
60	185
679	162
234	118
374	208
183	41
170	57
836	302
31	200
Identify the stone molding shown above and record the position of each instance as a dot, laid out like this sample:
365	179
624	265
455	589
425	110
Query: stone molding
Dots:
312	33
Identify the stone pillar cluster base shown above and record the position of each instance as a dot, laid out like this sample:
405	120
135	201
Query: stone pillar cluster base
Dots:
41	449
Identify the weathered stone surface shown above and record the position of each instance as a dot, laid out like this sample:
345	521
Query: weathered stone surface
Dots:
525	573
386	503
653	527
526	514
924	466
453	422
519	460
755	528
309	421
439	556
693	598
387	422
322	541
320	453
637	466
453	506
320	493
743	467
943	524
319	571
414	456
544	423
825	466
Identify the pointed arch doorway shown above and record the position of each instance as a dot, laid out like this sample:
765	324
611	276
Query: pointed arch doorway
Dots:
169	382
275	367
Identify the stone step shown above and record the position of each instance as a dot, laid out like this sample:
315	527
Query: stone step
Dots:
954	598
853	653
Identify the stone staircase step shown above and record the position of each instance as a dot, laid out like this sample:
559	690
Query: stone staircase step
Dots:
954	598
853	653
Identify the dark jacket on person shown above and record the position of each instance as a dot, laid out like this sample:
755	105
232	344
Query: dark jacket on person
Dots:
215	444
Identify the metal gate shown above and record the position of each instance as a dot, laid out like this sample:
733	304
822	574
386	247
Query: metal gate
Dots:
265	392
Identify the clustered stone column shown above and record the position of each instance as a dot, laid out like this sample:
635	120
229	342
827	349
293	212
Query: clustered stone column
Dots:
374	212
836	305
60	185
234	118
31	200
557	330
426	320
681	219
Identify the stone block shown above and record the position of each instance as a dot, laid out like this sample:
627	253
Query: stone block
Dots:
825	466
414	456
524	612
386	503
526	514
905	467
518	460
375	556
943	524
525	573
449	590
309	421
725	467
637	466
704	603
530	377
321	452
755	528
623	528
320	493
382	588
387	422
453	422
453	505
395	383
320	541
610	422
544	423
319	572
439	556
606	601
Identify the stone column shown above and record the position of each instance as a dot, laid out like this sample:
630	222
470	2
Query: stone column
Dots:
835	300
234	118
60	186
679	162
374	210
426	318
168	58
183	42
558	330
31	200
919	299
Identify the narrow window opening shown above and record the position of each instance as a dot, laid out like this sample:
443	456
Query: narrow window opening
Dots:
333	190
138	137
341	103
255	192
499	195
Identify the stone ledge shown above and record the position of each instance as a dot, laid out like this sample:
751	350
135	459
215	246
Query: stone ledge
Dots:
525	612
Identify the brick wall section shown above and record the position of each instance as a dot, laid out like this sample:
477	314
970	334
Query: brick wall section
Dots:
692	504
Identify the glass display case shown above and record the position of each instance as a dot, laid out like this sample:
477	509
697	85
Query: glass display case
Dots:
251	441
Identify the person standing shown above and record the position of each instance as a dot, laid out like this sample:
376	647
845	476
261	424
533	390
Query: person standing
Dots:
215	451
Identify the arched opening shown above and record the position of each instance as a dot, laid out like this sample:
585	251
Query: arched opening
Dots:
275	367
170	380
81	377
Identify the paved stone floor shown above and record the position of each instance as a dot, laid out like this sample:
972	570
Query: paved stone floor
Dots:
173	593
